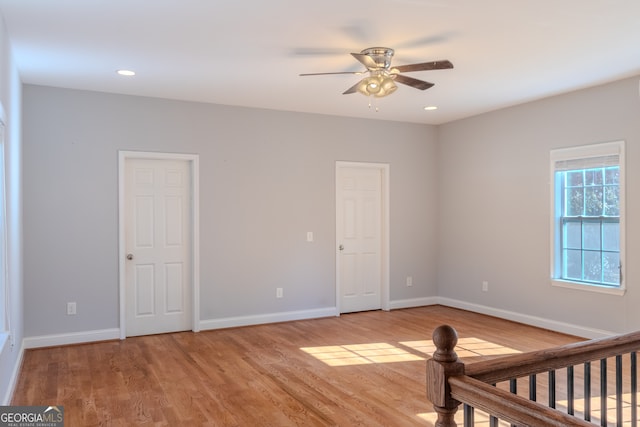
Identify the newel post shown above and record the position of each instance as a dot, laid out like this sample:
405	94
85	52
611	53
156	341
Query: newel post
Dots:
444	364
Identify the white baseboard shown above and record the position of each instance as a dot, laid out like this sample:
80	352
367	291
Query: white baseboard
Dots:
71	338
565	328
13	381
232	322
414	302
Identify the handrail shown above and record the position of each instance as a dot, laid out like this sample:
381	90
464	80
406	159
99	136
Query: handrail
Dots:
535	362
450	382
508	406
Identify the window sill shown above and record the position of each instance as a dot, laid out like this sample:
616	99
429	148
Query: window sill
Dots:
588	288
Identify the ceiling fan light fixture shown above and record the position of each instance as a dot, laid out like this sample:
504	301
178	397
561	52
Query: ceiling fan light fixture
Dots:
367	86
377	85
388	86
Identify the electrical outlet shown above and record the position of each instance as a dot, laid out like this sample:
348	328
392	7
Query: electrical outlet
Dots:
71	309
485	286
279	293
409	281
309	236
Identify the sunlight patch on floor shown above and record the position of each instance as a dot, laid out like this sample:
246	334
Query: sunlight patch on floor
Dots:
481	419
467	347
424	346
470	347
360	354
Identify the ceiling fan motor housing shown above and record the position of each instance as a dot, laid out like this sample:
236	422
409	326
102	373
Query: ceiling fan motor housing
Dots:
380	55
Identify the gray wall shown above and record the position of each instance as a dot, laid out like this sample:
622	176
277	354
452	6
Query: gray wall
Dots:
469	202
494	198
266	178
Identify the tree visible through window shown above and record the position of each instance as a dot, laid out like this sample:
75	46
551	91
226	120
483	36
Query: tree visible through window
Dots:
587	215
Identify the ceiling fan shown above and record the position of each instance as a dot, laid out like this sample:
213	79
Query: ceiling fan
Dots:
382	76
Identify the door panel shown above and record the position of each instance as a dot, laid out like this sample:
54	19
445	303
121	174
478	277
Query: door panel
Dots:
173	214
144	290
144	221
157	233
175	288
348	274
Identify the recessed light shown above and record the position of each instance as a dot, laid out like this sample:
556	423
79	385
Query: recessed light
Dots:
431	108
127	73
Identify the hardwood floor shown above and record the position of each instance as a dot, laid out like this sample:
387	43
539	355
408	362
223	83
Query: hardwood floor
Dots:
362	369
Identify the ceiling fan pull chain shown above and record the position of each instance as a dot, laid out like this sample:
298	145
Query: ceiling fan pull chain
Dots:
373	103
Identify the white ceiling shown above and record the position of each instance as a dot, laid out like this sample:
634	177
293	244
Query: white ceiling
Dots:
249	53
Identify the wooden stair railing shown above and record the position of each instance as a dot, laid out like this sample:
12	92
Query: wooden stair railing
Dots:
451	383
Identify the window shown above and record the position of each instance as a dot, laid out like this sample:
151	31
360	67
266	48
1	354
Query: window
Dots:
588	217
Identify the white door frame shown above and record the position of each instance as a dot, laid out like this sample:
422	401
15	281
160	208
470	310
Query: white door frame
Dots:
384	221
193	159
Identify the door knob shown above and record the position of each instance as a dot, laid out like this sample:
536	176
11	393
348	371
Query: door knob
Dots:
341	247
129	257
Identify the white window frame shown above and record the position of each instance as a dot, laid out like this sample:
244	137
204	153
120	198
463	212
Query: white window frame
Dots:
576	153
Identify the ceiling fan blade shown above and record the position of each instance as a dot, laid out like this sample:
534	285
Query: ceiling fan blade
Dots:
352	89
317	51
338	72
366	60
423	66
359	31
410	81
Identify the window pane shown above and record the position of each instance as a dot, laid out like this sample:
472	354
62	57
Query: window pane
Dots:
573	235
612	201
593	201
573	264
592	266
612	175
591	235
574	179
611	236
575	206
593	177
611	268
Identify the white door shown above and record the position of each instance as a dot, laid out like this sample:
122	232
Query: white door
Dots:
359	233
158	246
